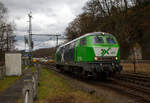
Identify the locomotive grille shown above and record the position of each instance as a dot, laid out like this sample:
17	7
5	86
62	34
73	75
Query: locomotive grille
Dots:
106	58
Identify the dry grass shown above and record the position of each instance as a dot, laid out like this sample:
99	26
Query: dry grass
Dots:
140	67
70	98
62	99
54	89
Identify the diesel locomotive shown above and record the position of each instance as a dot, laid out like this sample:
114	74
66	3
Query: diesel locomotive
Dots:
94	54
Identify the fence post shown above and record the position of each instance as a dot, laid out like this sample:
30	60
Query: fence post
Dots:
35	85
38	71
27	92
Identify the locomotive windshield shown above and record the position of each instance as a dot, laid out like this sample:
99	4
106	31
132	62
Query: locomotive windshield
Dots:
110	40
98	40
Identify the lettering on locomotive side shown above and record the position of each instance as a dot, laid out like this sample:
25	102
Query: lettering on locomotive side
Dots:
103	51
79	58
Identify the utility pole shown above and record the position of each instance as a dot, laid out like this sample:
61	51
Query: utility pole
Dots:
7	40
57	40
25	42
30	37
30	32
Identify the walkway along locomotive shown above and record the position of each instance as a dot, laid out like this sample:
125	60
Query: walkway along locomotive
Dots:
94	54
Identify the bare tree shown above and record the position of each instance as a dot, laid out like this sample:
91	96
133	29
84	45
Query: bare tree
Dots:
7	38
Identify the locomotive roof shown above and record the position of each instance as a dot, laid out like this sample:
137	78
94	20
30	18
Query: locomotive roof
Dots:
88	34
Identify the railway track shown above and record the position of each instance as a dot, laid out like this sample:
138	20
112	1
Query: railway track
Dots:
139	95
135	79
132	85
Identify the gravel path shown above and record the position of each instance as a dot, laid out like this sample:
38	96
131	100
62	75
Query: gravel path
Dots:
14	92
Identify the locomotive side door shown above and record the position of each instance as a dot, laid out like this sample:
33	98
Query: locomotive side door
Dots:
81	50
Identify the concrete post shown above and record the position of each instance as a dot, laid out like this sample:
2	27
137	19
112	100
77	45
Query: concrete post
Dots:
30	89
35	85
27	92
38	71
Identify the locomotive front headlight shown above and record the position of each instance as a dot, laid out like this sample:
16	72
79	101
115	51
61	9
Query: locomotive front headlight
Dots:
116	58
96	58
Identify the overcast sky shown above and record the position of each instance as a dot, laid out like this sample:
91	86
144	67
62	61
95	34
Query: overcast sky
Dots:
49	16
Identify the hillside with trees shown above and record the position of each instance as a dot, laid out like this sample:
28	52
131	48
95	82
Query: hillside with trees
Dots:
128	20
45	52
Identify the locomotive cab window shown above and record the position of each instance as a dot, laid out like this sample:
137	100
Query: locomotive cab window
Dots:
110	40
98	40
82	41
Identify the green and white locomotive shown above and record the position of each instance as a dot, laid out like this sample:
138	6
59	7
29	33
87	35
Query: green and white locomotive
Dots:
94	54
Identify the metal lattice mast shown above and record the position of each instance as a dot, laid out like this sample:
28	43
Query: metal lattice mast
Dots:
30	32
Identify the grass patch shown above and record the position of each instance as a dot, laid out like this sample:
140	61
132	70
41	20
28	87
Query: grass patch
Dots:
23	67
9	80
33	69
54	89
6	82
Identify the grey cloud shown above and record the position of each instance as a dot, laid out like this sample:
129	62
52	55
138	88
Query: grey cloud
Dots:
49	16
